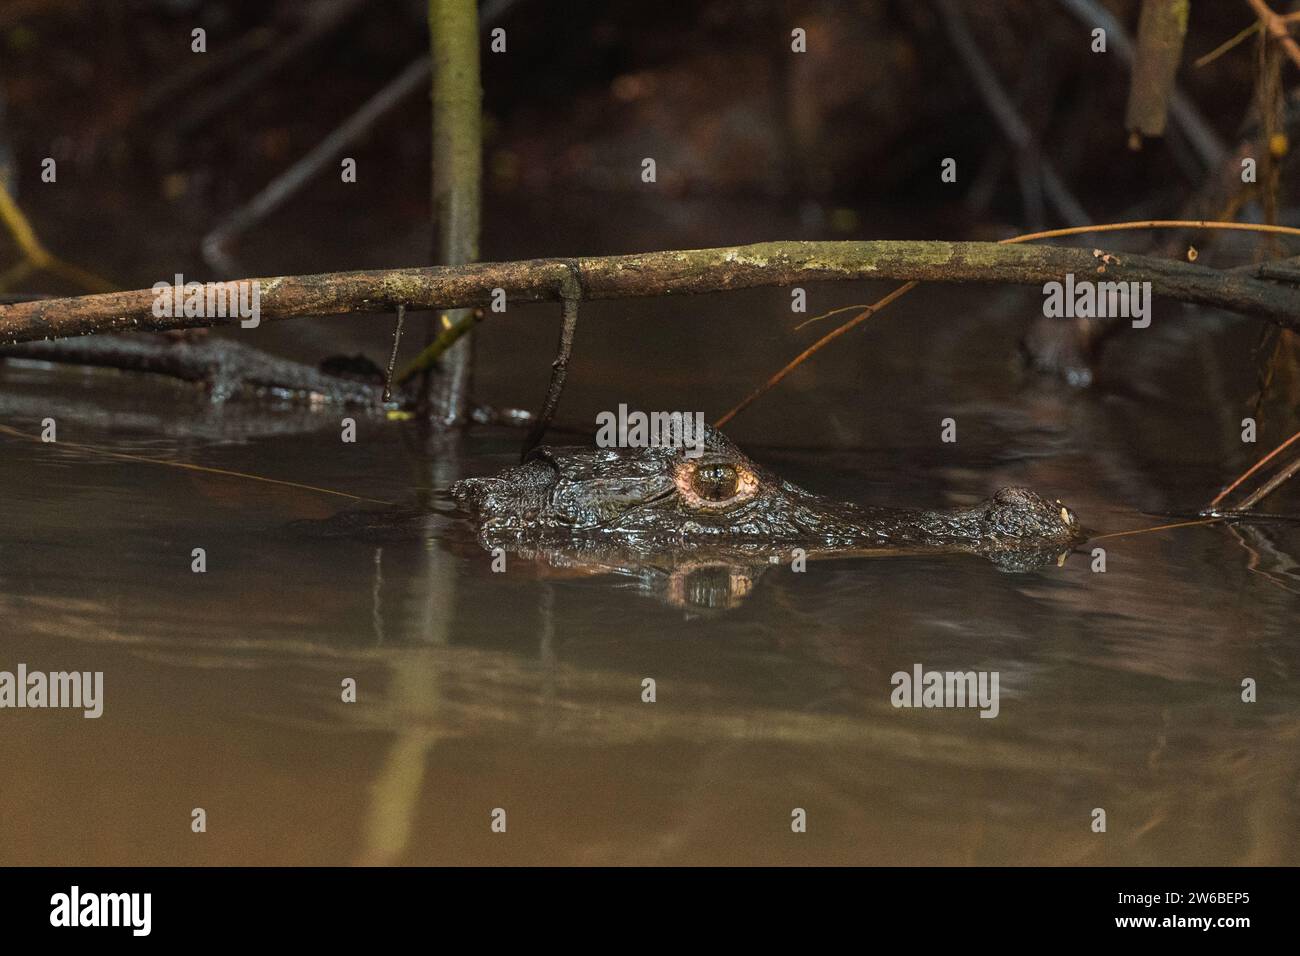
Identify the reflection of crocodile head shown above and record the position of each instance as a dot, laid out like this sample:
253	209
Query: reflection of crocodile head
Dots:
711	524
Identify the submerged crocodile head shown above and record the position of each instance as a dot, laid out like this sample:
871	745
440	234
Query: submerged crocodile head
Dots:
656	506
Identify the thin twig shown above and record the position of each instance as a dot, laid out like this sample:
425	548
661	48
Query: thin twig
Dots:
1013	126
1258	517
1253	468
559	371
35	256
1028	237
815	318
317	22
392	356
1273	23
187	466
1159	527
1161	224
813	349
1266	489
428	358
1227	45
280	189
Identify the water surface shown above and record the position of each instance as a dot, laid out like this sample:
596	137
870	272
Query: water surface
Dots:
522	690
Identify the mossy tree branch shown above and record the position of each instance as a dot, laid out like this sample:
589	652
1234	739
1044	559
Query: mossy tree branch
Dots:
669	273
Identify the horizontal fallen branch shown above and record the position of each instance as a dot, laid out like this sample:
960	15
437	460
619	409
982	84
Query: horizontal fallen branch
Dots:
225	367
660	273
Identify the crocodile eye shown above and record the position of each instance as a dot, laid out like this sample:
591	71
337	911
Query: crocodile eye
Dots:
715	482
714	486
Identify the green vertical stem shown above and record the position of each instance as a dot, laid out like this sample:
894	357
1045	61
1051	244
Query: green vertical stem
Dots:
1162	27
457	183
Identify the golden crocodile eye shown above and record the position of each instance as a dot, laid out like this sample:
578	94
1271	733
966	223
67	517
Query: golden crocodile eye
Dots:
714	485
715	482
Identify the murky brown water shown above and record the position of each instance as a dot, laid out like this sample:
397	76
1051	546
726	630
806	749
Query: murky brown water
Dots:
522	690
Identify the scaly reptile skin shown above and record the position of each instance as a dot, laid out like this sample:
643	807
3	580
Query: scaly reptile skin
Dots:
656	507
